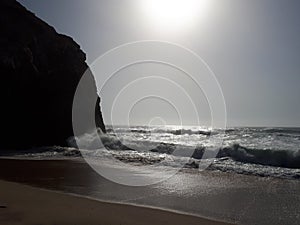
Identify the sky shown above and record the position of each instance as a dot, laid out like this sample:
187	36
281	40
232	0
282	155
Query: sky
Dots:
252	46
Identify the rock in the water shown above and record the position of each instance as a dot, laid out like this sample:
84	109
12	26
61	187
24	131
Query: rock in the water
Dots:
40	70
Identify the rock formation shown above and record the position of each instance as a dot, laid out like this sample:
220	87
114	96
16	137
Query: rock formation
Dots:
40	70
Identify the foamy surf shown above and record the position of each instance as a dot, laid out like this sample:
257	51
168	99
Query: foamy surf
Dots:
257	151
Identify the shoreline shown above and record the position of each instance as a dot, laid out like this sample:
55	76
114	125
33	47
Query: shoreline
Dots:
211	195
23	204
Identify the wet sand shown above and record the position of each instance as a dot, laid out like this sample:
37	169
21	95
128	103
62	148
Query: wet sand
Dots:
27	205
220	196
22	204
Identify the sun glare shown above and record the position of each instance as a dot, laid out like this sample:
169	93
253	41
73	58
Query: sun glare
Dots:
174	14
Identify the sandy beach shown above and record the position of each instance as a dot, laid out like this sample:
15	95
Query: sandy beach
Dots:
150	112
218	196
22	204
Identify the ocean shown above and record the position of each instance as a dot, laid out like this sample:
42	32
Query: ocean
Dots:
259	151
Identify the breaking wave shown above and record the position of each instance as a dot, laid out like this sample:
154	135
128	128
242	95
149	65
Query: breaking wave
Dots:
162	131
258	151
270	157
237	152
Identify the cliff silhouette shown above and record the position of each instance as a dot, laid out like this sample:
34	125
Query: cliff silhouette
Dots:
40	70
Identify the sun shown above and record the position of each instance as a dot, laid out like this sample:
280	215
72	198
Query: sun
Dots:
174	14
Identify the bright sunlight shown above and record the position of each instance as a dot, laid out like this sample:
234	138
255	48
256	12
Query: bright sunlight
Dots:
174	15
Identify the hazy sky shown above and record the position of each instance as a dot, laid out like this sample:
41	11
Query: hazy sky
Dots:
253	47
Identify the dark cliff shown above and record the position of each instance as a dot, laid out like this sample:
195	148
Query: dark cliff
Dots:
40	70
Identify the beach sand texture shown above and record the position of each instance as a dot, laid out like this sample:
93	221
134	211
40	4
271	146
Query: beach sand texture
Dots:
28	205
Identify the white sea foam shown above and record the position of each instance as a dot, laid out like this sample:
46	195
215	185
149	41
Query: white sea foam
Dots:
259	151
